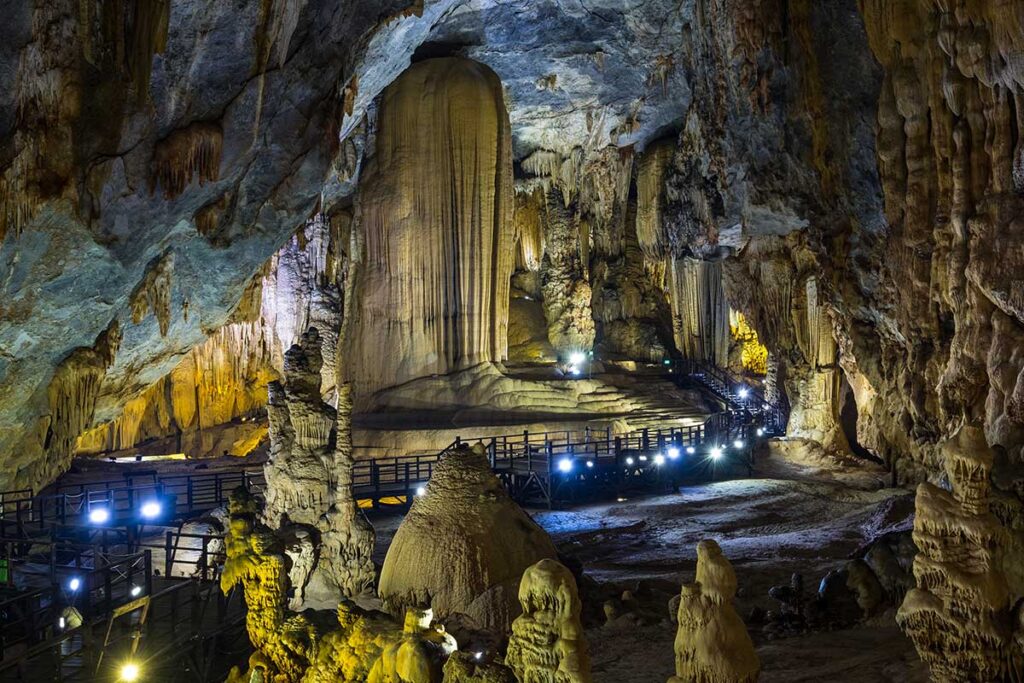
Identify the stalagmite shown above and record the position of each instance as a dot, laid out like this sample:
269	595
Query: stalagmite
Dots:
435	210
959	615
700	311
463	547
417	656
712	644
547	642
309	474
292	647
567	293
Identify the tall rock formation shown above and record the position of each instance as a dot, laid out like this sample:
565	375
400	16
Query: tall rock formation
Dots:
435	219
309	475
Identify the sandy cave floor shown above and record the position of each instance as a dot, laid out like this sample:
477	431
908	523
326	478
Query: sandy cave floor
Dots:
788	518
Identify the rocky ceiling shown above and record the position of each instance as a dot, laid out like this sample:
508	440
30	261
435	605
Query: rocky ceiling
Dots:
860	158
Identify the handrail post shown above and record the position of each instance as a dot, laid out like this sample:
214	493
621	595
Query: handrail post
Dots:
645	442
492	451
168	562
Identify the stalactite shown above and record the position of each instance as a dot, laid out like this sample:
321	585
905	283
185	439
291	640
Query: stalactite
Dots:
529	229
72	395
436	214
700	311
650	190
187	153
153	293
224	378
753	355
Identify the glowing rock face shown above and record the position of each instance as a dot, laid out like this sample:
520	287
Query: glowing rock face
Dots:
547	643
462	548
712	644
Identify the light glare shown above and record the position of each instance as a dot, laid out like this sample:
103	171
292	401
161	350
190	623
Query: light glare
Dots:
151	510
691	450
738	443
577	358
716	453
659	459
130	672
74	584
565	465
99	515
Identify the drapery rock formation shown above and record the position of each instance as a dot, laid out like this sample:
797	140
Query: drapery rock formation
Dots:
435	219
547	642
959	615
712	644
462	548
309	474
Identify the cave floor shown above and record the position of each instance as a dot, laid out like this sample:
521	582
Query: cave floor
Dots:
787	518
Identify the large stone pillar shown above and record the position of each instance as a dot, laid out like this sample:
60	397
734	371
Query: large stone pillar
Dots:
435	213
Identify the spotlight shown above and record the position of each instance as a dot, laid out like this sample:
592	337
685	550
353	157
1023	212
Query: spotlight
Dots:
737	444
130	672
565	465
716	453
136	591
621	500
673	453
629	460
74	584
151	509
760	431
421	491
575	371
643	458
478	655
99	515
590	463
690	450
744	392
577	358
61	623
659	459
667	361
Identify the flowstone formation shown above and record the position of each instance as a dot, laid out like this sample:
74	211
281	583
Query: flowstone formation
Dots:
712	644
462	548
547	643
309	474
959	615
434	213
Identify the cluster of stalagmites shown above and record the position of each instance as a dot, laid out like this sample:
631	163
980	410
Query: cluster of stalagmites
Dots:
309	477
959	615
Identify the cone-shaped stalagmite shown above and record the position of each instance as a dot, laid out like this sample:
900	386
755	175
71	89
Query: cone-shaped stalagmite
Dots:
712	643
463	547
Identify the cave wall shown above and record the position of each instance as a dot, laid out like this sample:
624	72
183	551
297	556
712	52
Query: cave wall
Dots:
225	377
167	148
434	214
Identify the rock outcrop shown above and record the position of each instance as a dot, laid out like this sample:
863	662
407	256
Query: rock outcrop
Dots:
959	615
712	644
462	548
547	642
309	475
